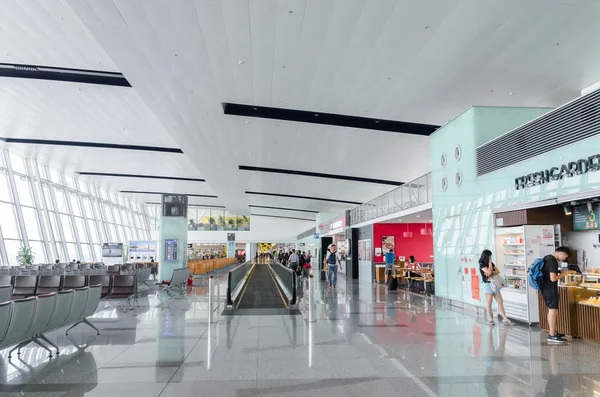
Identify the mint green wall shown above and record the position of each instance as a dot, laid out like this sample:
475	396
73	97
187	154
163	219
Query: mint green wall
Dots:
172	228
463	214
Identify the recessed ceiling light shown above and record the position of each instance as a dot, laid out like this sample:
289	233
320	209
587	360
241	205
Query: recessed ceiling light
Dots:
511	93
240	62
418	216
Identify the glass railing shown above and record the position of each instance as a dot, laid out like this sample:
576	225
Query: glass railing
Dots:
234	278
288	278
411	194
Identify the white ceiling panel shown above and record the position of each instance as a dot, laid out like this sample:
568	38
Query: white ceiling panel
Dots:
48	33
421	61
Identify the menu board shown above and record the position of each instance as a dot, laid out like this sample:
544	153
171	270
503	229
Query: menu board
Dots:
584	219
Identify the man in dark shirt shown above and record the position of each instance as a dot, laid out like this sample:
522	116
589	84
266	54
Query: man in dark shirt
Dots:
550	290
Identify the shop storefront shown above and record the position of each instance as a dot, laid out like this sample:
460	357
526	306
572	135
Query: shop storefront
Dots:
503	188
336	230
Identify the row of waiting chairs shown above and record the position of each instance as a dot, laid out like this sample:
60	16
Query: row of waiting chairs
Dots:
27	320
178	281
25	286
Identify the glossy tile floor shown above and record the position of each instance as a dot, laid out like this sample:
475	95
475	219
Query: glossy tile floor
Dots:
366	341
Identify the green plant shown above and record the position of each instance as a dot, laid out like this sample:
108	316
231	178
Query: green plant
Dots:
245	218
25	256
239	221
231	222
211	221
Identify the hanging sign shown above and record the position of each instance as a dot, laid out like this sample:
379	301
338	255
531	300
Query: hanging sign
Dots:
573	168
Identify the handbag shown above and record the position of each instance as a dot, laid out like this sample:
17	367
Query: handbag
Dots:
496	283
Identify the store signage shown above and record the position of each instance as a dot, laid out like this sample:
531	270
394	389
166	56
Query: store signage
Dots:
317	236
337	224
573	168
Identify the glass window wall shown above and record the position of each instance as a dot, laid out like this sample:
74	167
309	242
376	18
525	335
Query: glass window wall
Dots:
118	214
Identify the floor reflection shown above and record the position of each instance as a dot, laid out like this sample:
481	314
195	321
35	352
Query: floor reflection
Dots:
366	340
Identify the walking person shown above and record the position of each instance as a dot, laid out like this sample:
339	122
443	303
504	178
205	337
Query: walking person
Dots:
489	270
294	259
332	259
549	290
390	258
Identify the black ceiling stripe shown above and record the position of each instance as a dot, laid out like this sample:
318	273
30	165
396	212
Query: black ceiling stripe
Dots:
339	120
37	72
171	178
283	217
283	209
320	175
190	205
28	141
161	193
304	197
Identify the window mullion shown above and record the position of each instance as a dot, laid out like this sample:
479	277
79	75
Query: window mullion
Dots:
86	226
57	214
15	196
72	216
36	188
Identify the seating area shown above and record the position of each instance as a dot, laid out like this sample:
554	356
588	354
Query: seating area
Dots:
25	321
178	282
25	286
57	269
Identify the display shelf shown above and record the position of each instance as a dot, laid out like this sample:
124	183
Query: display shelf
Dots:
514	245
515	265
513	276
517	290
514	254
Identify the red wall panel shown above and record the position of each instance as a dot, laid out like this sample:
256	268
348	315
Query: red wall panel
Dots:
418	245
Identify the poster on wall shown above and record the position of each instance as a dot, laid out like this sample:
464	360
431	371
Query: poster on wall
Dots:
368	250
360	250
584	218
112	250
142	250
387	244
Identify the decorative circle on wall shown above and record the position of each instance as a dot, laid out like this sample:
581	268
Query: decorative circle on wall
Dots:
443	160
457	153
458	178
444	183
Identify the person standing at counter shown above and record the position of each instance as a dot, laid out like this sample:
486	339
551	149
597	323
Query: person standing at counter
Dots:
389	263
549	290
489	270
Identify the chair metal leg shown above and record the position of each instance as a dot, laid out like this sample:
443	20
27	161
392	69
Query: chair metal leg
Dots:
48	341
34	340
85	320
18	348
71	327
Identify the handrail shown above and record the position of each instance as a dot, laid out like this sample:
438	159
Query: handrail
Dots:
287	279
235	278
412	194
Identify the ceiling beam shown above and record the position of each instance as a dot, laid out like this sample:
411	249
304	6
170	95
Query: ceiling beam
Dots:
170	178
99	145
320	175
283	217
304	197
283	209
161	193
37	72
339	120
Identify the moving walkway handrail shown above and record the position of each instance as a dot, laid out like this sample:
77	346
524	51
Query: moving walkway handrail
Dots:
235	279
288	280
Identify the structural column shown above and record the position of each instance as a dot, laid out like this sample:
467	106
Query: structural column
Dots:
172	242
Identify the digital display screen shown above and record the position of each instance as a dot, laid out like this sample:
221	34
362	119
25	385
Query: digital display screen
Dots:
171	250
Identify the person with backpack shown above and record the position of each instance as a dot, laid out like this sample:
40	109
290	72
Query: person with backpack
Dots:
489	270
548	286
332	260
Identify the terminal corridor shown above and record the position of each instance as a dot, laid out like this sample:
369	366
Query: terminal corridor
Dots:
365	342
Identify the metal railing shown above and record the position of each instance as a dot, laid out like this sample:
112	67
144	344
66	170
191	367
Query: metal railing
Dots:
287	279
411	194
234	279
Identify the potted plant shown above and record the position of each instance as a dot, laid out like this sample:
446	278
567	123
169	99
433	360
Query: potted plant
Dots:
239	222
231	222
211	221
192	225
25	256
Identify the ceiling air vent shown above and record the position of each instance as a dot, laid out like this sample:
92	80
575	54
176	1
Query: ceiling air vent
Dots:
443	160
444	183
571	123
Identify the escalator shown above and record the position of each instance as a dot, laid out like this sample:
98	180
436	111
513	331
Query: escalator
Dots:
261	294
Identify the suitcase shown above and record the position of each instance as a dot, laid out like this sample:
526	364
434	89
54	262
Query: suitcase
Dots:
392	284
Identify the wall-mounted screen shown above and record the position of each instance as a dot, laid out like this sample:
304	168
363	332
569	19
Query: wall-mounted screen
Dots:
112	250
171	250
584	218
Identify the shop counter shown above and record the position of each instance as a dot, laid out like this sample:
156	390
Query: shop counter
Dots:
380	274
575	319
